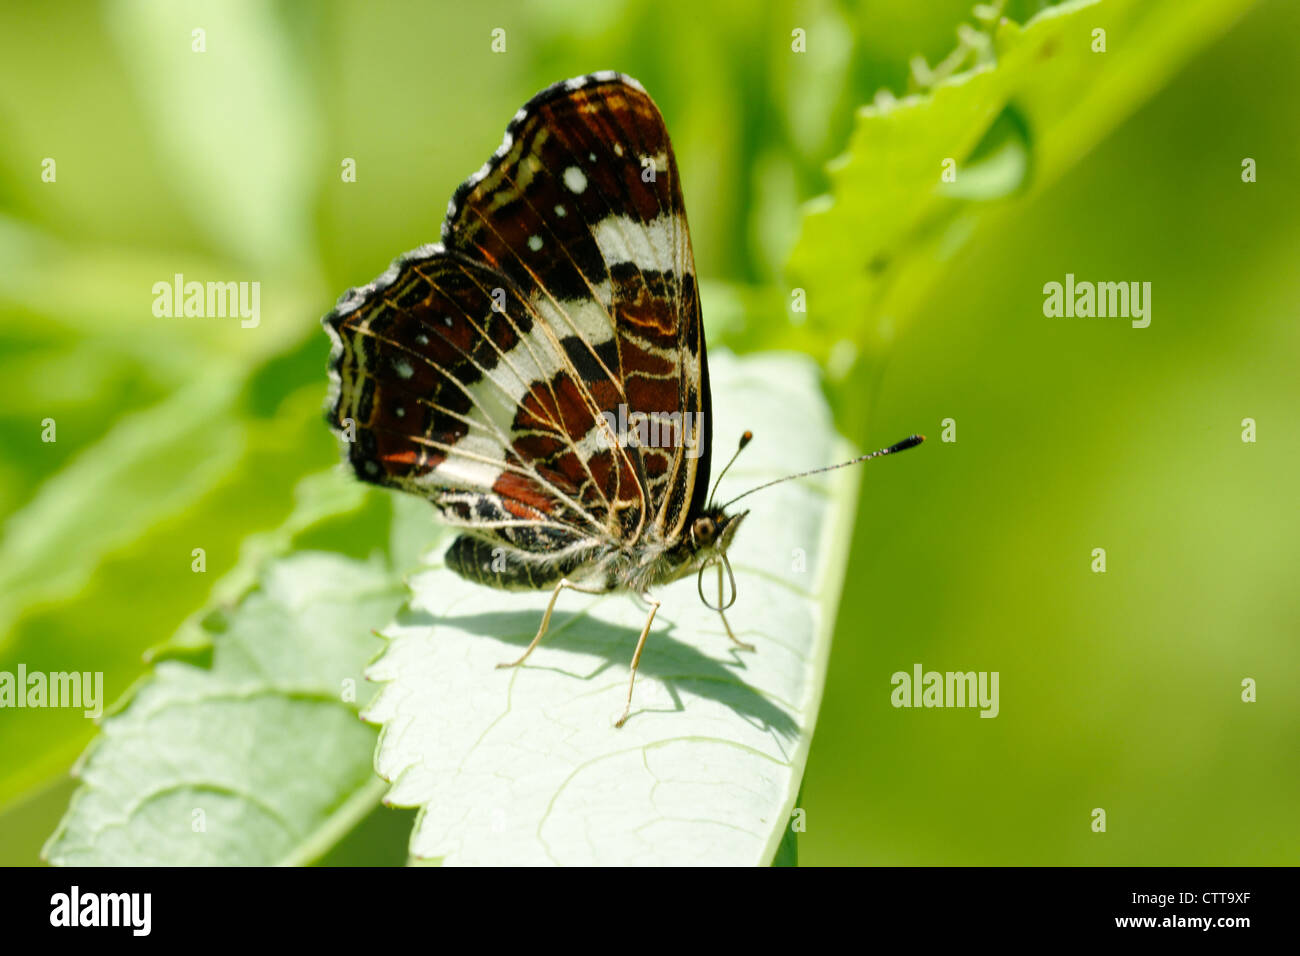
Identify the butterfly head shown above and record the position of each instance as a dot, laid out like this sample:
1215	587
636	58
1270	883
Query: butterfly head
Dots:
710	537
711	532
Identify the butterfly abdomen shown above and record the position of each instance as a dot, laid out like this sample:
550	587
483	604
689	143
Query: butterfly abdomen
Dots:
509	569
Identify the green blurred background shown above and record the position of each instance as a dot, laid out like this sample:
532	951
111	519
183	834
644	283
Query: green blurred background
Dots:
1118	690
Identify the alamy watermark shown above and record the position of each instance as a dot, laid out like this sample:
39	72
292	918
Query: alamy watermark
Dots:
922	688
208	300
84	689
130	910
1085	300
653	430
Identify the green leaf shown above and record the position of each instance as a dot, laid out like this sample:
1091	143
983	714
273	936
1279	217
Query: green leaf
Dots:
999	165
1036	101
260	759
263	736
121	520
525	766
318	499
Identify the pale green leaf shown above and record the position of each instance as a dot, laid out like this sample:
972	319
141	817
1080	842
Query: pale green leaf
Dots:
525	766
251	760
250	713
122	519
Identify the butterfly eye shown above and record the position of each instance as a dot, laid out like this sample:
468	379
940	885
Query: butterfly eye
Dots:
703	531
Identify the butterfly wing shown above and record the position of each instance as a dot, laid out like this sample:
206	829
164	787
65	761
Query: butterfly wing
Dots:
437	368
582	207
487	372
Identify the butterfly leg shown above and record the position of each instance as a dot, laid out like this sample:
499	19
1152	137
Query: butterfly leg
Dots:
546	620
636	657
735	640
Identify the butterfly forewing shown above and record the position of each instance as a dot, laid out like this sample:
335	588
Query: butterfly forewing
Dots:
582	207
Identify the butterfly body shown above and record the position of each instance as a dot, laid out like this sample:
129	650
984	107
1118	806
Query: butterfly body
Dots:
602	568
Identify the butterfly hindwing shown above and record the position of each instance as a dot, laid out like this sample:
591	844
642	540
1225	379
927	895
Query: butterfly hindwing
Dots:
438	369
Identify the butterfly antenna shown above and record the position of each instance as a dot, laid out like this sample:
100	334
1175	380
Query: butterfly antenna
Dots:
910	442
745	439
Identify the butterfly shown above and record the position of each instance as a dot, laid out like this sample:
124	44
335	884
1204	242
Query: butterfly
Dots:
540	374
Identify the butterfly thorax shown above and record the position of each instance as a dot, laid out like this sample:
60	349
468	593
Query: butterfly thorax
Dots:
648	565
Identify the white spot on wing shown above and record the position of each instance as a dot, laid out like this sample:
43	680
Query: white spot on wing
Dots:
575	180
535	243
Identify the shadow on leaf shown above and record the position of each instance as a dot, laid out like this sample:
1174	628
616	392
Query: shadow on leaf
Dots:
677	663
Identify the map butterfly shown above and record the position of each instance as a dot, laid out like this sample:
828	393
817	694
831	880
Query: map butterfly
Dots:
540	374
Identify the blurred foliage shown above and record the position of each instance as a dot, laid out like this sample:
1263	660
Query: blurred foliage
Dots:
1121	689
